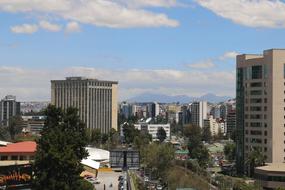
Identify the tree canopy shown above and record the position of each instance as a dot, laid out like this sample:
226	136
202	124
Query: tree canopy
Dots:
196	148
161	134
60	151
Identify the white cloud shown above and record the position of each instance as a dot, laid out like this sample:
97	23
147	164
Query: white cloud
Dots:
107	13
207	64
34	84
72	27
150	3
229	55
252	13
25	29
49	26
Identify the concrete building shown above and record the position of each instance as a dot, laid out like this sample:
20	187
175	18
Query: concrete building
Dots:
152	109
8	108
271	176
260	106
212	124
199	113
96	100
231	122
186	115
152	129
215	111
126	109
33	124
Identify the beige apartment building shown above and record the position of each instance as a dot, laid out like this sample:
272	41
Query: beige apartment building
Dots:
261	106
95	99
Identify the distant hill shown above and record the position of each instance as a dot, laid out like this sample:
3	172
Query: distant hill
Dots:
152	97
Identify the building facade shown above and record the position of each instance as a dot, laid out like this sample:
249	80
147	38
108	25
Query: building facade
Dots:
231	122
96	100
152	129
212	124
199	113
8	108
260	106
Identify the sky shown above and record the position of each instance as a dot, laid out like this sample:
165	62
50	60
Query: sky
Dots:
172	47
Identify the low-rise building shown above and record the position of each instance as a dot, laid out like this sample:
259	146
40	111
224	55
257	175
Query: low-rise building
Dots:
152	129
24	151
271	176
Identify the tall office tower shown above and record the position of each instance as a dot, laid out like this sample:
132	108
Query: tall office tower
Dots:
223	111
260	107
231	122
186	115
126	109
199	113
96	100
8	108
152	109
215	111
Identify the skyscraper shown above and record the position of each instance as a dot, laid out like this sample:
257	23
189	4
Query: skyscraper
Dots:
260	107
199	113
96	100
8	108
231	122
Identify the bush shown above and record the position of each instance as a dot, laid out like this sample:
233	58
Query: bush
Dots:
85	185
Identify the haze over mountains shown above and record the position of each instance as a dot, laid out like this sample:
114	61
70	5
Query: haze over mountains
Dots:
152	97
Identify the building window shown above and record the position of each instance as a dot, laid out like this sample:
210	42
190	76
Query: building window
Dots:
4	157
256	72
23	158
265	141
256	84
265	100
256	92
265	125
265	149
265	108
14	157
265	133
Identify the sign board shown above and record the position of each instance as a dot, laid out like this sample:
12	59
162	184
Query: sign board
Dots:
124	159
15	176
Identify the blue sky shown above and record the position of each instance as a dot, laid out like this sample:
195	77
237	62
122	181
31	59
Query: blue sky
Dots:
159	46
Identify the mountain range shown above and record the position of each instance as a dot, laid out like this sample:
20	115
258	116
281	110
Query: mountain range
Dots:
162	98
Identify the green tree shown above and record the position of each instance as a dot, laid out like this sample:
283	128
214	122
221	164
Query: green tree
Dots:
254	159
158	157
161	134
230	151
206	134
60	151
196	148
142	140
130	132
15	126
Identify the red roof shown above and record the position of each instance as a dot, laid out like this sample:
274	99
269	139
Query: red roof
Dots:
21	147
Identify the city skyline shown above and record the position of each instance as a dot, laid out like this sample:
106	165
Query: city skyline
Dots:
179	48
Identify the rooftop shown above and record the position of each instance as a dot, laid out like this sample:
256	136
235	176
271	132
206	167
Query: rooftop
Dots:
79	78
21	147
273	167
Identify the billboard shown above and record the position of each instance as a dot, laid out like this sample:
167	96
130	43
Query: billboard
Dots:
15	177
125	159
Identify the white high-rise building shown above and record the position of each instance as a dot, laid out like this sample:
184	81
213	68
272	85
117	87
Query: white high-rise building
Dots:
95	100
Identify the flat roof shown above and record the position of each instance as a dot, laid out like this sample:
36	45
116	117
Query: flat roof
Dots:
84	79
21	147
273	167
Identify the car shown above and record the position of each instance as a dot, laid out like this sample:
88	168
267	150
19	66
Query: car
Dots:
159	187
120	178
146	179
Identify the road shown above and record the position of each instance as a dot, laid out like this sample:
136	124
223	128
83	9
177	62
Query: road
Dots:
107	178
